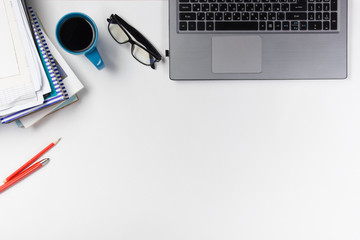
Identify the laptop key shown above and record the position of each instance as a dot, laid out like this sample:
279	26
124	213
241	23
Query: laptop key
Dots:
245	16
277	26
209	26
316	25
205	7
326	7
298	7
334	21
187	16
280	16
311	16
183	26
294	25
285	7
232	7
227	16
303	25
200	26
311	7
214	7
185	7
262	26
333	5
237	16
254	16
236	26
263	16
267	7
326	16
258	7
196	7
192	26
272	16
286	26
210	16
219	16
318	7
318	16
200	16
296	16
276	7
326	25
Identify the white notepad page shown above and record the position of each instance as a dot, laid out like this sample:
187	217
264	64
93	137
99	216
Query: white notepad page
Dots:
8	62
17	89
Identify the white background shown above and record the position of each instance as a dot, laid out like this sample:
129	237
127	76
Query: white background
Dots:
144	157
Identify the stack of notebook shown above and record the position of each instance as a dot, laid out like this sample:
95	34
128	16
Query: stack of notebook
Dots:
34	79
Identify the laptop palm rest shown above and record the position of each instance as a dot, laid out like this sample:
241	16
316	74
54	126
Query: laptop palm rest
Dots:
236	54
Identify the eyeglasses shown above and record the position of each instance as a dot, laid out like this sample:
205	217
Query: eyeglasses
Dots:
141	49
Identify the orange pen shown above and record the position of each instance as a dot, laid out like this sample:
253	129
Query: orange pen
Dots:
28	163
23	174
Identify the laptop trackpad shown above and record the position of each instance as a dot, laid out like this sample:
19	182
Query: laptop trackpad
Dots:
236	54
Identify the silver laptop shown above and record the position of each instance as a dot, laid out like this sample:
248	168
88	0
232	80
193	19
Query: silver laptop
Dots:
258	39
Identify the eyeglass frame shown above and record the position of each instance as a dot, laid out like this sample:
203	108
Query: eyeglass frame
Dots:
131	33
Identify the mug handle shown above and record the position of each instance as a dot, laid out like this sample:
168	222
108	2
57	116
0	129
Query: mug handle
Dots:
95	58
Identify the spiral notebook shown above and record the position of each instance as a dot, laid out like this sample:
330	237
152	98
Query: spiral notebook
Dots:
58	90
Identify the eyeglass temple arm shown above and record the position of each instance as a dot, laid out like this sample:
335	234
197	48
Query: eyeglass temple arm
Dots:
138	36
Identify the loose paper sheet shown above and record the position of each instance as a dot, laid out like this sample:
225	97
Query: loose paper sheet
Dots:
8	62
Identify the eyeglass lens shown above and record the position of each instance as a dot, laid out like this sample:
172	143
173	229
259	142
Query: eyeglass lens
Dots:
142	55
118	33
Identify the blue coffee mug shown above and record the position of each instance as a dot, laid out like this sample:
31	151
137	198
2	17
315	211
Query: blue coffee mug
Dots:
72	26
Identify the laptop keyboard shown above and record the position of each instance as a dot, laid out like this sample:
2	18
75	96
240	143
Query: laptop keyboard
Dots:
258	15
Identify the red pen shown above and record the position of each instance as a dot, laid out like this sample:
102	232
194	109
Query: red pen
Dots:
24	174
28	163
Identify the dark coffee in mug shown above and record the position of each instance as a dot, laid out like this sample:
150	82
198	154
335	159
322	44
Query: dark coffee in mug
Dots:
77	34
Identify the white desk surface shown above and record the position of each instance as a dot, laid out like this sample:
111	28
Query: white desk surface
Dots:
143	157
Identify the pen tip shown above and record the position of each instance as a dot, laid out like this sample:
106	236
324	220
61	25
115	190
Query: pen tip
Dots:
55	142
44	161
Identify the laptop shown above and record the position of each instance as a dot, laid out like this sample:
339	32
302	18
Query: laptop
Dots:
258	39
